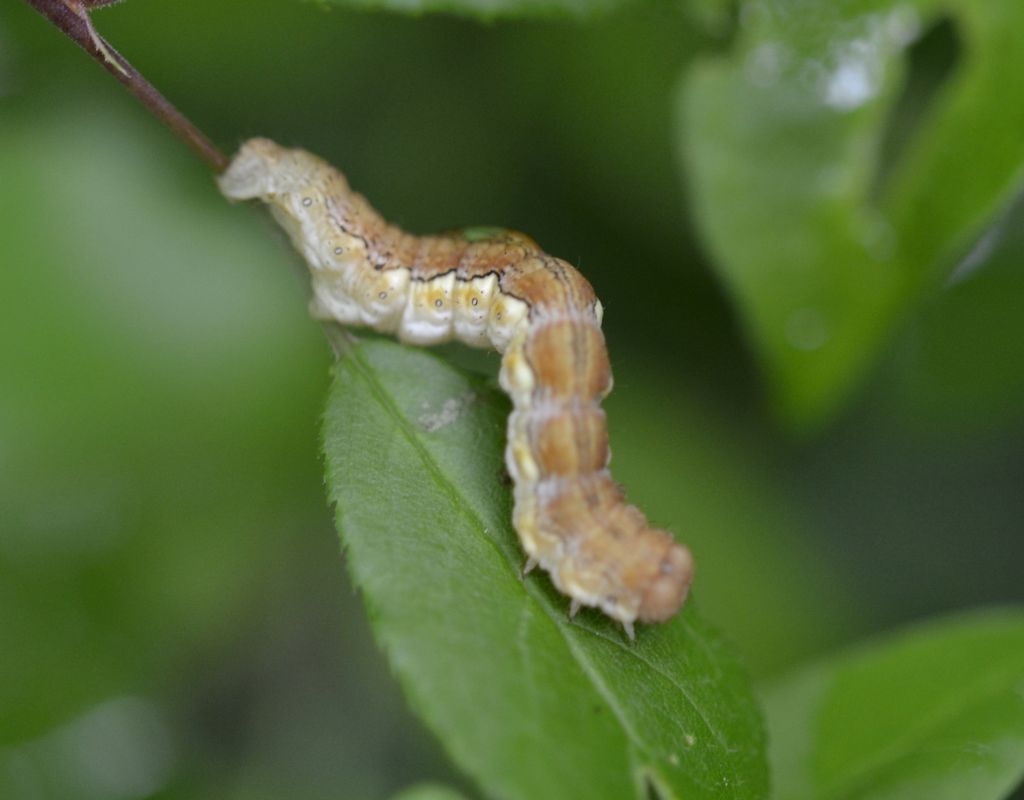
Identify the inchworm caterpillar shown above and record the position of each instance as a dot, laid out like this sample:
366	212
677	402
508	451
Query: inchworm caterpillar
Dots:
490	288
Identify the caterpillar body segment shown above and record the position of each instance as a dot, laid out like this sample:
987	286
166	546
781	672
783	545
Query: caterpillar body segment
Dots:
490	288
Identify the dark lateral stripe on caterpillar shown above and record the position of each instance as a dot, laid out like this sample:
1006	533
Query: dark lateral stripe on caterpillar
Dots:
490	288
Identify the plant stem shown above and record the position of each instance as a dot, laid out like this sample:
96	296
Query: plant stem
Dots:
72	17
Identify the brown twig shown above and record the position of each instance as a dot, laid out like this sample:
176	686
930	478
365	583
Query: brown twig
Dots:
72	17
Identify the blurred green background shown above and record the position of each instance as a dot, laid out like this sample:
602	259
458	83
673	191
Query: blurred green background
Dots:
175	619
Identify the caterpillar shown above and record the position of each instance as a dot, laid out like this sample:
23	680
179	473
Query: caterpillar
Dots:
490	288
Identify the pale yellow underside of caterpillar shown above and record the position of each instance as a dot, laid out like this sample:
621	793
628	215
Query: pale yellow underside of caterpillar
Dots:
490	288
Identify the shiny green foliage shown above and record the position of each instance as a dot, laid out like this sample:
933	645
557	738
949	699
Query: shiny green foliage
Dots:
827	215
488	9
175	619
530	704
936	711
964	359
428	792
94	358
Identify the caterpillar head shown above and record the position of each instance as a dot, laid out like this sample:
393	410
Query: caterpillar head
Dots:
262	169
250	174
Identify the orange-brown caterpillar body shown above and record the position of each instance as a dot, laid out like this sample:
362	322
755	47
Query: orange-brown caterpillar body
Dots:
499	289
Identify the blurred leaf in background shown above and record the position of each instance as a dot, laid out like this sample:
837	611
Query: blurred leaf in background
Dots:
428	792
934	712
960	366
825	236
122	403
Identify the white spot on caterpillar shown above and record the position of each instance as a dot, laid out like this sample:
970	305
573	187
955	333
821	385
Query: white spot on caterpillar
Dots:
506	315
338	305
471	301
525	468
427	319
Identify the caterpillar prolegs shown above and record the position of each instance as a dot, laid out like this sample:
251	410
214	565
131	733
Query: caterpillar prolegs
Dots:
490	288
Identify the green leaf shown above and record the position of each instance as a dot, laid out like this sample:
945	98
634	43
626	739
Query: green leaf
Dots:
156	412
822	249
488	9
708	14
530	704
428	791
935	712
961	364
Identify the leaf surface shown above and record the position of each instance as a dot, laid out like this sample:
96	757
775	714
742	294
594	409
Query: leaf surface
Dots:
823	246
488	9
428	791
530	704
936	712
